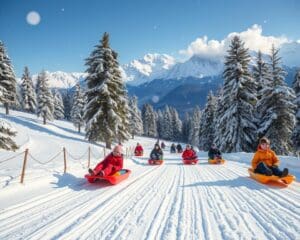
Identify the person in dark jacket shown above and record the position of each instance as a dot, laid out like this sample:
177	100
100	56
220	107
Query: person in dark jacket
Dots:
156	153
163	145
214	152
173	148
179	148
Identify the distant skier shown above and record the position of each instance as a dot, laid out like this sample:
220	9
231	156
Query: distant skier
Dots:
162	145
112	163
179	148
214	153
265	160
156	153
138	151
189	153
173	148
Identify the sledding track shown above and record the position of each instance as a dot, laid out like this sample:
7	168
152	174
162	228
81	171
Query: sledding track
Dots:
171	201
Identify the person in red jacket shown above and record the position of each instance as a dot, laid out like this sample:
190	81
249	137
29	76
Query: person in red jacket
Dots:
189	153
138	151
112	163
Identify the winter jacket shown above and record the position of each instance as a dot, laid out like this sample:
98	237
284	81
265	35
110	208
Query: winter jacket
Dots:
179	148
213	152
189	154
173	149
138	149
163	145
110	165
266	156
156	154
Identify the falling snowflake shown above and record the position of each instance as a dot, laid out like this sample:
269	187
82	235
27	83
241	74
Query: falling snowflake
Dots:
155	99
33	18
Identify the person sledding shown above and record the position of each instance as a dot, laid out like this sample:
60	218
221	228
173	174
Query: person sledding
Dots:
179	148
156	155
112	163
265	160
138	151
214	154
189	154
162	145
173	148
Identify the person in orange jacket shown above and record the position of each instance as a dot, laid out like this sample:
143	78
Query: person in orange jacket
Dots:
110	165
265	160
138	151
189	153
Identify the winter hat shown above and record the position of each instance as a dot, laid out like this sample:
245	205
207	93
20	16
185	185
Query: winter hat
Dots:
156	145
264	140
118	149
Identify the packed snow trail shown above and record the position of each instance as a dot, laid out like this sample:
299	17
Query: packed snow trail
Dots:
171	201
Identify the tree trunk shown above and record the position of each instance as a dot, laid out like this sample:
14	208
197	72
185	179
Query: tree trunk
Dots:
44	120
108	144
6	108
79	128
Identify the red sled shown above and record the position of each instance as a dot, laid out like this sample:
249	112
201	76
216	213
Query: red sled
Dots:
190	161
113	179
155	162
138	154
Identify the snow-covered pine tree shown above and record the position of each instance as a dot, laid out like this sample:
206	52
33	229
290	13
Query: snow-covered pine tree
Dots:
277	110
186	126
104	112
207	126
121	99
67	97
296	132
149	121
239	99
45	104
28	92
194	131
160	123
59	112
167	130
77	108
8	83
176	124
219	130
136	123
6	132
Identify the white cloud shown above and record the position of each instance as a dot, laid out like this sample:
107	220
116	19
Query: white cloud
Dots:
253	38
33	18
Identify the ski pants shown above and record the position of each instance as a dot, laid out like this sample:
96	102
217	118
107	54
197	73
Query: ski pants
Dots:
262	168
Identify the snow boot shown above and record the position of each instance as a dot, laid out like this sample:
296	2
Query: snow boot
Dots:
285	172
91	172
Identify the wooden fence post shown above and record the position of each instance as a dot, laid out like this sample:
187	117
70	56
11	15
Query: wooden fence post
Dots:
24	165
89	157
65	160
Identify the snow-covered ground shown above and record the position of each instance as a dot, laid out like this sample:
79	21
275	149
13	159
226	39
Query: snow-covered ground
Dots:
171	201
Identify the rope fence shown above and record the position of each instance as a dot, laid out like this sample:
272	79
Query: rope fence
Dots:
87	155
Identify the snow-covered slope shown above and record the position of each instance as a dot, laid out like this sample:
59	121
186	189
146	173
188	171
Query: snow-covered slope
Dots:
172	201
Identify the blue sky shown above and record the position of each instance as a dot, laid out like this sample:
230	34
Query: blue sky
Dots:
69	29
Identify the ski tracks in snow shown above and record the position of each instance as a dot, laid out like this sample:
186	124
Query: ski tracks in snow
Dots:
171	201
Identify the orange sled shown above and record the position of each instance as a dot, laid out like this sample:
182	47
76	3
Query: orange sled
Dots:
214	161
190	161
155	162
113	179
265	179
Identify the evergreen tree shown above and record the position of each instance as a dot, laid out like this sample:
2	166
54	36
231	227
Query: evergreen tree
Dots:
28	92
45	105
149	121
277	110
160	123
8	81
167	128
219	130
58	105
207	126
77	109
67	97
136	123
186	127
6	132
176	124
239	99
105	113
193	137
296	133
